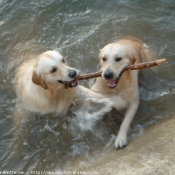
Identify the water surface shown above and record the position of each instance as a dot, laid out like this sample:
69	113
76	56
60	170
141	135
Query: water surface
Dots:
79	29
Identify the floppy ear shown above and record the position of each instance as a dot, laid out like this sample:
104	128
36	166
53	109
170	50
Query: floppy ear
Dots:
36	79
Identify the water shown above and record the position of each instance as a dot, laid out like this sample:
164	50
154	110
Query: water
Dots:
79	29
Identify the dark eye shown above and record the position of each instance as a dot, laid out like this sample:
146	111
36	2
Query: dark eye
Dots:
118	59
104	59
63	60
54	69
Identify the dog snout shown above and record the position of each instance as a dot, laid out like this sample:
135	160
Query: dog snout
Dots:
108	74
72	73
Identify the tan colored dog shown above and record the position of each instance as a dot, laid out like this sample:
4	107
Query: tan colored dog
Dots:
40	85
121	86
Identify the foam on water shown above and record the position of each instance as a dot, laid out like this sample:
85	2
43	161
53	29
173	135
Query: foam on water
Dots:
79	29
111	141
89	112
48	128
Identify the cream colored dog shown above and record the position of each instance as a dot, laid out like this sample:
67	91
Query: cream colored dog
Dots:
121	86
40	85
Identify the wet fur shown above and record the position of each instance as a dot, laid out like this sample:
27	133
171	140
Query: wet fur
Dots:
125	95
38	89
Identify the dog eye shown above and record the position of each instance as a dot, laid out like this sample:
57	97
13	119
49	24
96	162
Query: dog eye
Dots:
104	59
118	59
63	60
54	69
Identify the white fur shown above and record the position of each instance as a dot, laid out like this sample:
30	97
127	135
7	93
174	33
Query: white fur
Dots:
48	95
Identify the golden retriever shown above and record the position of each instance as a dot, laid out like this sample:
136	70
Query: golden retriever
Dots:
121	86
40	85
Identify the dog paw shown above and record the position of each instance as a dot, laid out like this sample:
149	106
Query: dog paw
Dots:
120	141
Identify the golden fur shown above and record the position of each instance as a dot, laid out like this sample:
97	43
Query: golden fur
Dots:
40	85
37	84
123	90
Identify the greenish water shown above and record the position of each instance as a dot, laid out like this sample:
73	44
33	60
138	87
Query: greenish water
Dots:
79	29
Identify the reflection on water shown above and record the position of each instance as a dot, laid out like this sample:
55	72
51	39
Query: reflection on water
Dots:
78	29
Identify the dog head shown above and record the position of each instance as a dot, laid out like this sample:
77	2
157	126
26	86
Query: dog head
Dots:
114	58
51	67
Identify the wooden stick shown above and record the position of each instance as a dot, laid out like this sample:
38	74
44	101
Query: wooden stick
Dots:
145	65
128	68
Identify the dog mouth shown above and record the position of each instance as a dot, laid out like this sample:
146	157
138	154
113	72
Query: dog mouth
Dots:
113	82
73	83
70	84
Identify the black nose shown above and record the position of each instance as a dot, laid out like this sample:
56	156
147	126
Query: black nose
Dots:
108	74
72	73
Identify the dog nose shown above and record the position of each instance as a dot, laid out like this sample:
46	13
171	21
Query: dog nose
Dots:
72	73
108	74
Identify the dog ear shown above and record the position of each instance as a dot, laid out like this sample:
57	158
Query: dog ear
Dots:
133	59
36	79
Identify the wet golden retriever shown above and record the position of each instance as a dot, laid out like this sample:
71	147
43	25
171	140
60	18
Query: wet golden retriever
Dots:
121	86
40	85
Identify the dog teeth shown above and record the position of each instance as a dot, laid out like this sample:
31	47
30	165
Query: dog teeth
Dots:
112	86
74	83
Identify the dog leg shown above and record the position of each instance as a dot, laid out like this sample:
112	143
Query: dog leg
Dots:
121	139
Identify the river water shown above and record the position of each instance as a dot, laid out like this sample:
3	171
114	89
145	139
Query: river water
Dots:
79	29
